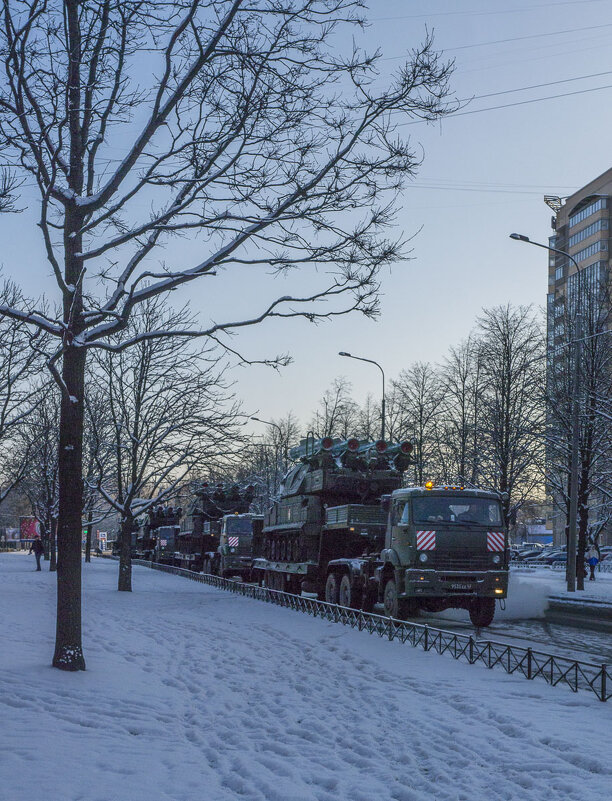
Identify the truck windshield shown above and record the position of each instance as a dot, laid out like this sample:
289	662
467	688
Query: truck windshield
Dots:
436	508
238	525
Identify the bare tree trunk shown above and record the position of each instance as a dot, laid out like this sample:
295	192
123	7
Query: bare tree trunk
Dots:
125	555
88	538
53	546
45	536
68	644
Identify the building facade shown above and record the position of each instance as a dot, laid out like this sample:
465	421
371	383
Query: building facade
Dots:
581	225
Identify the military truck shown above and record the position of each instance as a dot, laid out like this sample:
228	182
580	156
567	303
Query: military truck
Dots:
328	508
240	541
217	513
445	547
163	523
344	528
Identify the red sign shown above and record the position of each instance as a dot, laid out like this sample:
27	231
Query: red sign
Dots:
28	528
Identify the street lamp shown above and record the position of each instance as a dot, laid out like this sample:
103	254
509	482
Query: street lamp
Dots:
573	510
371	361
268	423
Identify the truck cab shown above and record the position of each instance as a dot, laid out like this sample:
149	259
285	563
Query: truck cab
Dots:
445	547
166	538
239	535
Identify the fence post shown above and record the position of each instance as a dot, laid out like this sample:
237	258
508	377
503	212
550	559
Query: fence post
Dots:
529	664
471	651
426	642
604	673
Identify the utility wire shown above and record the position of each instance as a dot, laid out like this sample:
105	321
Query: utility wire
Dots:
514	39
510	105
486	13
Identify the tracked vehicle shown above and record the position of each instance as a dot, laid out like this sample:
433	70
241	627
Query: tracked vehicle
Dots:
344	528
329	507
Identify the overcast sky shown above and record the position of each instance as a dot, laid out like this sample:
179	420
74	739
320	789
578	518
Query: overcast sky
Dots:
484	174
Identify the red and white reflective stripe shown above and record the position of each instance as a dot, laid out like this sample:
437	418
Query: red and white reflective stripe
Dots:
495	540
233	542
426	540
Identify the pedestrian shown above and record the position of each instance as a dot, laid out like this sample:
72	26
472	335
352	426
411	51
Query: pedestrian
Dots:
592	557
38	549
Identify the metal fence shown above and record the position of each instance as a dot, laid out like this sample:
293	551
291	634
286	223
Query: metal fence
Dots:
527	662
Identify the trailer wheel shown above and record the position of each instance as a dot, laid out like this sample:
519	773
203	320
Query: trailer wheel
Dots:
348	594
331	589
482	612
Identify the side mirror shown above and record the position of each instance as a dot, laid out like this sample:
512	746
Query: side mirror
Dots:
385	502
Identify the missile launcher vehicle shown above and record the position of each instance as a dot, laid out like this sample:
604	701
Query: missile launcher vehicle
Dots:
329	507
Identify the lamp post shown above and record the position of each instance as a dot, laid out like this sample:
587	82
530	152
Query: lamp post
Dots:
575	417
371	361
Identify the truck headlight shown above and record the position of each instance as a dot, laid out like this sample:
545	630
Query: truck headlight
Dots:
496	559
422	557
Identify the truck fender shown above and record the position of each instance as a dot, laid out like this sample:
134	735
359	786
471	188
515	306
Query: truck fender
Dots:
390	555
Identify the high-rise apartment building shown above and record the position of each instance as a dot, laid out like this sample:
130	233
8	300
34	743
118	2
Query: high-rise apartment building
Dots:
581	225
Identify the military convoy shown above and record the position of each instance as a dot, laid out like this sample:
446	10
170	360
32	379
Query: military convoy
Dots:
345	528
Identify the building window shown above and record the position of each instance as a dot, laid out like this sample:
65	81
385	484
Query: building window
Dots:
559	273
596	247
597	205
600	225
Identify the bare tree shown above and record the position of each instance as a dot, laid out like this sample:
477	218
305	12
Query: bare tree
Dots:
167	412
420	400
20	392
511	344
592	298
459	434
336	415
253	133
39	453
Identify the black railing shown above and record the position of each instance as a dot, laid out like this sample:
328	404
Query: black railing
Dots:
527	662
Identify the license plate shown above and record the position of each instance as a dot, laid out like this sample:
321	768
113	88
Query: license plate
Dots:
461	586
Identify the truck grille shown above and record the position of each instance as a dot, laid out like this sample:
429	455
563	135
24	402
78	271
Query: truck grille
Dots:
460	562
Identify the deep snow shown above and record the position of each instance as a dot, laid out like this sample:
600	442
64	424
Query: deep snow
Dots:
196	693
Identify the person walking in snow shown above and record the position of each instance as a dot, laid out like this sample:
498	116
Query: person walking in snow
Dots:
38	549
592	558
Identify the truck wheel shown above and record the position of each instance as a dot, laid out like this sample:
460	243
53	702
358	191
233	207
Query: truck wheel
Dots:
348	594
368	600
482	612
390	599
331	589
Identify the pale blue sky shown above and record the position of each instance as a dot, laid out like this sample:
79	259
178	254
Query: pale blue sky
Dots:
484	176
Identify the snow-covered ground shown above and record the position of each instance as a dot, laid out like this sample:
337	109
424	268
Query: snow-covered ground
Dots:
196	693
555	584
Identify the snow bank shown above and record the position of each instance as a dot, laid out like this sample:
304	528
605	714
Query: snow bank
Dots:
195	694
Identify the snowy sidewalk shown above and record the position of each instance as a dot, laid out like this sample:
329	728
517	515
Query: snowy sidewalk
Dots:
195	694
596	592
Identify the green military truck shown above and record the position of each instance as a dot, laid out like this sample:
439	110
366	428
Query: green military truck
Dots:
240	541
445	547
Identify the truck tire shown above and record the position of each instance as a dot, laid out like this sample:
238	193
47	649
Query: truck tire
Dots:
482	612
348	594
390	599
399	608
331	589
